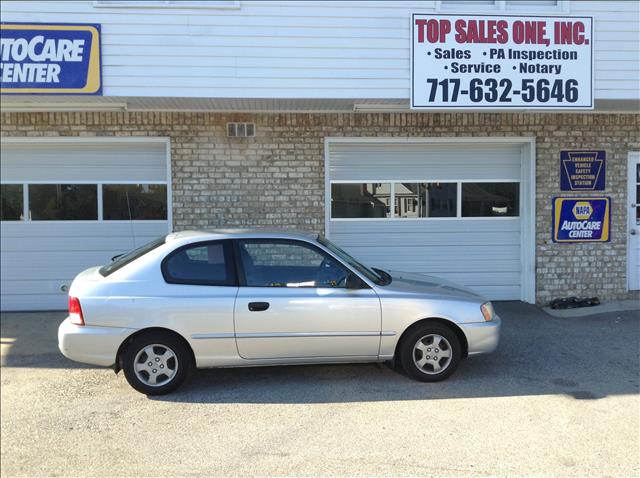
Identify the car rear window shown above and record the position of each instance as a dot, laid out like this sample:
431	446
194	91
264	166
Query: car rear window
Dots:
120	261
201	263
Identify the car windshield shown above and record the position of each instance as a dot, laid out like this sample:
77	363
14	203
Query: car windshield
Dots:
380	278
124	259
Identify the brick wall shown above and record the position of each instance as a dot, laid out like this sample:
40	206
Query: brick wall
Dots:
277	178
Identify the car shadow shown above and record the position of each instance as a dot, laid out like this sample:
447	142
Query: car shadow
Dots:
583	358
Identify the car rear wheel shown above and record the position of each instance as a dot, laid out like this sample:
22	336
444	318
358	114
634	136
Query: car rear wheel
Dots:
430	352
156	363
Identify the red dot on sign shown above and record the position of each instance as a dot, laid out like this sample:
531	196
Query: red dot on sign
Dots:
586	42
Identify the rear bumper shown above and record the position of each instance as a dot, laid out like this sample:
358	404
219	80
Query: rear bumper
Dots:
482	337
90	344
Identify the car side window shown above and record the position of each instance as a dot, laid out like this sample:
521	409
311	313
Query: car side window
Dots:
283	263
203	263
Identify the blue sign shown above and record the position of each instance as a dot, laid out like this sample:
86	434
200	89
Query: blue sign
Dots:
581	219
582	170
50	59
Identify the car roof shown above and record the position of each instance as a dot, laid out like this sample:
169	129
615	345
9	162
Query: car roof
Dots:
202	235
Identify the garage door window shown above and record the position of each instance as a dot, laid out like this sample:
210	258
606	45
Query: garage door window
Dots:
11	202
63	202
360	200
134	201
490	199
425	199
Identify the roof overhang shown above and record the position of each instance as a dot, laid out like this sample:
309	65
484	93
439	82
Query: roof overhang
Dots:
43	103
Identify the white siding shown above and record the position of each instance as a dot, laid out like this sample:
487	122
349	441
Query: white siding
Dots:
297	49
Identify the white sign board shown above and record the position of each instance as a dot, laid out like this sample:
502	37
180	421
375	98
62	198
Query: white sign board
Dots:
501	62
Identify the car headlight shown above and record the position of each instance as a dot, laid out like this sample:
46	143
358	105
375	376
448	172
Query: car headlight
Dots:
487	311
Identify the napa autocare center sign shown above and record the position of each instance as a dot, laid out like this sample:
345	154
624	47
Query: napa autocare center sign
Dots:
50	59
581	219
501	62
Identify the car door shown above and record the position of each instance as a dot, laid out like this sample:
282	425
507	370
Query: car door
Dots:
198	298
293	303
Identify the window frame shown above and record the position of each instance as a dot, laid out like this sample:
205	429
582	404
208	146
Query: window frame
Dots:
242	279
103	184
100	219
229	258
458	217
67	183
517	216
501	6
160	4
23	215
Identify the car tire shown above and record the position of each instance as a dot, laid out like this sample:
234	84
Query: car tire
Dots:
156	363
430	352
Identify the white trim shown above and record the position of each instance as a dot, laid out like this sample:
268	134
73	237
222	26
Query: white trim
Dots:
633	282
392	202
528	232
453	140
25	203
100	204
327	189
169	187
444	181
72	181
403	219
527	192
85	139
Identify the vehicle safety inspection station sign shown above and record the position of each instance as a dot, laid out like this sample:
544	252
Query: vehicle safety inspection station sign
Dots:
582	170
581	219
50	59
501	61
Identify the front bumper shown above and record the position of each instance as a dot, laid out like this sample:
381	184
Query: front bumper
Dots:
482	337
91	344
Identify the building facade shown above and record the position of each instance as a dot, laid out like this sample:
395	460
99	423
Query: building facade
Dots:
297	115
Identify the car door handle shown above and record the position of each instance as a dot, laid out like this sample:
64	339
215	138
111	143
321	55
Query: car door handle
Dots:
258	306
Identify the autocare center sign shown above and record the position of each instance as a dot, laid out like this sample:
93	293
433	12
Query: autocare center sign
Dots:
38	58
501	61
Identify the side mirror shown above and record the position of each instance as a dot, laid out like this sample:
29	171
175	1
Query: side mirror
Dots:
353	281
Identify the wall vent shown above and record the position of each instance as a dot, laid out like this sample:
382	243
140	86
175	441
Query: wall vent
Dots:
241	130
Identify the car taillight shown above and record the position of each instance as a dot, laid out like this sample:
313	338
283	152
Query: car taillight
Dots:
75	311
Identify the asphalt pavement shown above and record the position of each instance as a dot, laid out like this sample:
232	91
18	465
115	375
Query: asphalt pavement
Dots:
560	397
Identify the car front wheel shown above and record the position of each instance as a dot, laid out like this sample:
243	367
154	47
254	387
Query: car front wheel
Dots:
430	352
156	363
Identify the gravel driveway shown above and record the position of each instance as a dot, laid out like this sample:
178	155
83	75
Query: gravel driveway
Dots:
559	397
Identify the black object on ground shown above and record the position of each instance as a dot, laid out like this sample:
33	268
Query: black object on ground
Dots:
574	302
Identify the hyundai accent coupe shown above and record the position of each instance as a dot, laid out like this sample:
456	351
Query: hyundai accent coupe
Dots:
238	299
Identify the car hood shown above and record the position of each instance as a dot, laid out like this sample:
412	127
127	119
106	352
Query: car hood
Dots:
433	286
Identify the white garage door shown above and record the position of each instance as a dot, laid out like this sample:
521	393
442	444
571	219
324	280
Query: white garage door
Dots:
69	205
458	211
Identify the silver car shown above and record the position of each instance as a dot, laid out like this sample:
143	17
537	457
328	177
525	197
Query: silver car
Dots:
237	299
